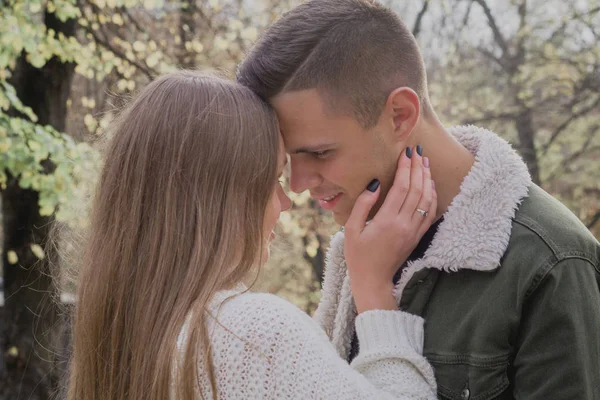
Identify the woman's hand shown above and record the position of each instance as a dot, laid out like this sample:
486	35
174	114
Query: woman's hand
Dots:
376	250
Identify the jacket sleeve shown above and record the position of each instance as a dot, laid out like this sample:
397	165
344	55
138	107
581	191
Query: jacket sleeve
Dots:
558	348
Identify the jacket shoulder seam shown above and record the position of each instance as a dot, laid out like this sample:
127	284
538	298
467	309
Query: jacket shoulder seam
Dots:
552	261
532	226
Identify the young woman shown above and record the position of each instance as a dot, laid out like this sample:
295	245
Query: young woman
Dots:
184	211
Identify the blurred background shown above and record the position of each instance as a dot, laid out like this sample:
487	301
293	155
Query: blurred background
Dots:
528	70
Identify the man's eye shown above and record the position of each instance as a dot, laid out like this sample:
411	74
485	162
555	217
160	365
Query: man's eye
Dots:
321	153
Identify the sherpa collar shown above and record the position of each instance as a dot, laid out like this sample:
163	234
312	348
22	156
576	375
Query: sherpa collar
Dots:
473	235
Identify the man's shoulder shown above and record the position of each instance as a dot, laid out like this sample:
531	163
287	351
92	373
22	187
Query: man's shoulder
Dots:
545	233
551	225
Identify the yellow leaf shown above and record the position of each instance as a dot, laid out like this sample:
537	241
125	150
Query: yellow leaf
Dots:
12	257
46	211
90	122
13	351
250	33
122	85
5	145
221	43
152	60
117	19
139	46
197	46
311	250
37	250
35	7
33	145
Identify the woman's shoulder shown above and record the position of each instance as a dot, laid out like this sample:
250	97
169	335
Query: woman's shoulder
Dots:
256	306
254	313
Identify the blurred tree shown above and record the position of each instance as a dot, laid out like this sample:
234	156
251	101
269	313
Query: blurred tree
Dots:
38	171
531	74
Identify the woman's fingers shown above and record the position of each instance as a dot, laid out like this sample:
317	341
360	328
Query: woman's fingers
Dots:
397	193
362	207
425	200
427	208
415	191
431	217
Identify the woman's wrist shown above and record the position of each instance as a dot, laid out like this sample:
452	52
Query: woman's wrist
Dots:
374	296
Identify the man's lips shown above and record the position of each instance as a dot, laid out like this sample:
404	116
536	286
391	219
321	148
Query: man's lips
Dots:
329	202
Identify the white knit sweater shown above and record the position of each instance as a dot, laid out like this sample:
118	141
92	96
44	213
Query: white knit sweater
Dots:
271	349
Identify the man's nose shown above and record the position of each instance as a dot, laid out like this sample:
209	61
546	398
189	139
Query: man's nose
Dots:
303	176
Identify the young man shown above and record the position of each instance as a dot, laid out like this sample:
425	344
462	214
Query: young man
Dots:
508	280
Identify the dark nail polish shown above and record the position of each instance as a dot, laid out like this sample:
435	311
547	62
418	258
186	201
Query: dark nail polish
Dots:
408	152
419	150
373	185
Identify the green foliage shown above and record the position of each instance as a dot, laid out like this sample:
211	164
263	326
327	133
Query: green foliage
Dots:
43	160
37	156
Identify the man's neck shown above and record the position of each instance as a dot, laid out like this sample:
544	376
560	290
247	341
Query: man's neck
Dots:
450	162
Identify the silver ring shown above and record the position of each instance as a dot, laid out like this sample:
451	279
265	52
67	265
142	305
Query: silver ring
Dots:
422	212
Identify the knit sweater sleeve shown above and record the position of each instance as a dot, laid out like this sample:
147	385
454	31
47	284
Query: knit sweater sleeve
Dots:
265	347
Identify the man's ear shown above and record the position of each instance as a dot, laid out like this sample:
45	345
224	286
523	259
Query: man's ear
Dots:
403	109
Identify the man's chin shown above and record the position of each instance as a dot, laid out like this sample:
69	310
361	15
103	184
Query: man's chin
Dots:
340	218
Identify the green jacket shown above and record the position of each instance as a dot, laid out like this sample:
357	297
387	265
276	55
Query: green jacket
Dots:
509	288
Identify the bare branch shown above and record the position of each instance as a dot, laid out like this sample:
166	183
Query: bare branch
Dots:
575	16
564	165
417	25
487	118
594	220
488	54
467	14
106	44
144	69
520	53
498	37
561	128
137	25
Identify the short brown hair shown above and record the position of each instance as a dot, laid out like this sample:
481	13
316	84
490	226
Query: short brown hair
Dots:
355	52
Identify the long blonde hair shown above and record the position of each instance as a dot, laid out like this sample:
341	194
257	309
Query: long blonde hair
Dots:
178	214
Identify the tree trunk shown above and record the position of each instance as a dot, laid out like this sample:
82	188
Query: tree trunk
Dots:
188	19
317	263
30	318
524	125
